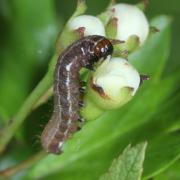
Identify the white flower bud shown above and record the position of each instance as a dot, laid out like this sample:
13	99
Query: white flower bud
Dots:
131	21
93	26
118	80
115	74
111	86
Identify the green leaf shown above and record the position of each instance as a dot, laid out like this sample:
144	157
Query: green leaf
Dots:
152	57
99	141
29	34
171	173
163	138
161	153
160	135
100	135
129	165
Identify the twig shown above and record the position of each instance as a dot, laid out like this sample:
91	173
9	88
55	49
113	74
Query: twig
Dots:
27	107
23	165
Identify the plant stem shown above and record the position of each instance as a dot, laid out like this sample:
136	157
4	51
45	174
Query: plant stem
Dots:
44	98
26	108
90	111
24	165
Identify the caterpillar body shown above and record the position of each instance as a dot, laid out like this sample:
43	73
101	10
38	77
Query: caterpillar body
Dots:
64	121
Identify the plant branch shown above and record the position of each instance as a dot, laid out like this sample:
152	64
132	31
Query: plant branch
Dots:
24	165
27	107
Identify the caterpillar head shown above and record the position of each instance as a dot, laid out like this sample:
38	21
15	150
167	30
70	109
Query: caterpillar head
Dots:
102	48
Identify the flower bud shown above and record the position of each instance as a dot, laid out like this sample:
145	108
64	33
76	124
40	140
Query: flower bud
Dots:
93	26
131	21
66	37
112	85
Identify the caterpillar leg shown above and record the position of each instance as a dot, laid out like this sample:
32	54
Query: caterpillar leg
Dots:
82	84
81	123
90	67
81	104
81	90
143	77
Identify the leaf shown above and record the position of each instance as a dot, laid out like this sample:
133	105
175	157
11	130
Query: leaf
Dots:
151	58
99	141
28	37
171	173
129	165
102	133
162	153
160	136
91	165
164	139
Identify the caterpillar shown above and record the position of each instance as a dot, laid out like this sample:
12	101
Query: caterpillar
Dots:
64	120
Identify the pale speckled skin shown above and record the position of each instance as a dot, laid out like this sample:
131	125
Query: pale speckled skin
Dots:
82	53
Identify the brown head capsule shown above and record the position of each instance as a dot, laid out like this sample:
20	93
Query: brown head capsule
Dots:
82	53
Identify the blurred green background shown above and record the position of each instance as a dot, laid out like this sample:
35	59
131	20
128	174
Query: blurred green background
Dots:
28	31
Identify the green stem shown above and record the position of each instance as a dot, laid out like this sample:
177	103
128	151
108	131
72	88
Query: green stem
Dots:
142	5
90	111
44	98
26	108
7	173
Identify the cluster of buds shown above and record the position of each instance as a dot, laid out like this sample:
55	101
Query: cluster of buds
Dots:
115	81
